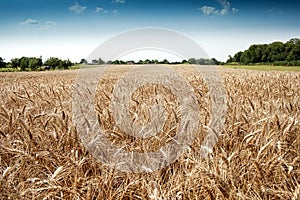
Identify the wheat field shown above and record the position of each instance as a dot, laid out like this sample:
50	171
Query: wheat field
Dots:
257	155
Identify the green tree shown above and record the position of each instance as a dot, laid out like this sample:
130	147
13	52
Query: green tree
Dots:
276	52
115	62
122	62
184	62
215	61
94	62
200	61
245	58
147	61
53	63
23	63
15	62
101	62
294	54
237	57
2	63
264	53
66	64
155	61
83	61
34	63
230	59
165	61
192	61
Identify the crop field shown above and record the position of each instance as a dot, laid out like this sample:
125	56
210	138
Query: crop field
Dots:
257	155
265	67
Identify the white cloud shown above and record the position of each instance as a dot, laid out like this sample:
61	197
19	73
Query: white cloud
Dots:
50	23
115	12
207	10
77	8
119	1
47	26
29	22
235	10
226	8
43	26
225	5
100	10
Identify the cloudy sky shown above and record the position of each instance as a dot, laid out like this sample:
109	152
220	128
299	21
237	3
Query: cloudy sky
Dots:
73	29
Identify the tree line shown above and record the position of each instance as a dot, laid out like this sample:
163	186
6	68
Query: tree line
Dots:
200	61
35	64
276	53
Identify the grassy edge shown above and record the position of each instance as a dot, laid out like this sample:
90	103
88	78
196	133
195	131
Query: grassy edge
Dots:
247	67
263	68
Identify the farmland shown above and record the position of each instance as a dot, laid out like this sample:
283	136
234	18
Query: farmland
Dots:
264	67
257	155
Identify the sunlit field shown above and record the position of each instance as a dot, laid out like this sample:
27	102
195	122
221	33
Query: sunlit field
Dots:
257	155
265	67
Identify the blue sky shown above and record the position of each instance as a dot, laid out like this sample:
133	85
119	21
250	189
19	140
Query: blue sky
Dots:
73	29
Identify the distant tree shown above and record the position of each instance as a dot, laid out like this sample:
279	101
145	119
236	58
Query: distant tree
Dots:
294	41
277	53
294	54
147	61
94	62
200	61
184	62
230	59
122	62
165	61
100	61
83	61
254	54
66	64
115	62
245	58
264	53
130	62
53	63
34	63
192	61
237	57
2	63
214	61
15	62
276	50
58	63
24	63
293	49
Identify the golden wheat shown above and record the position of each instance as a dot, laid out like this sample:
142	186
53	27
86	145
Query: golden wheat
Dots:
257	155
